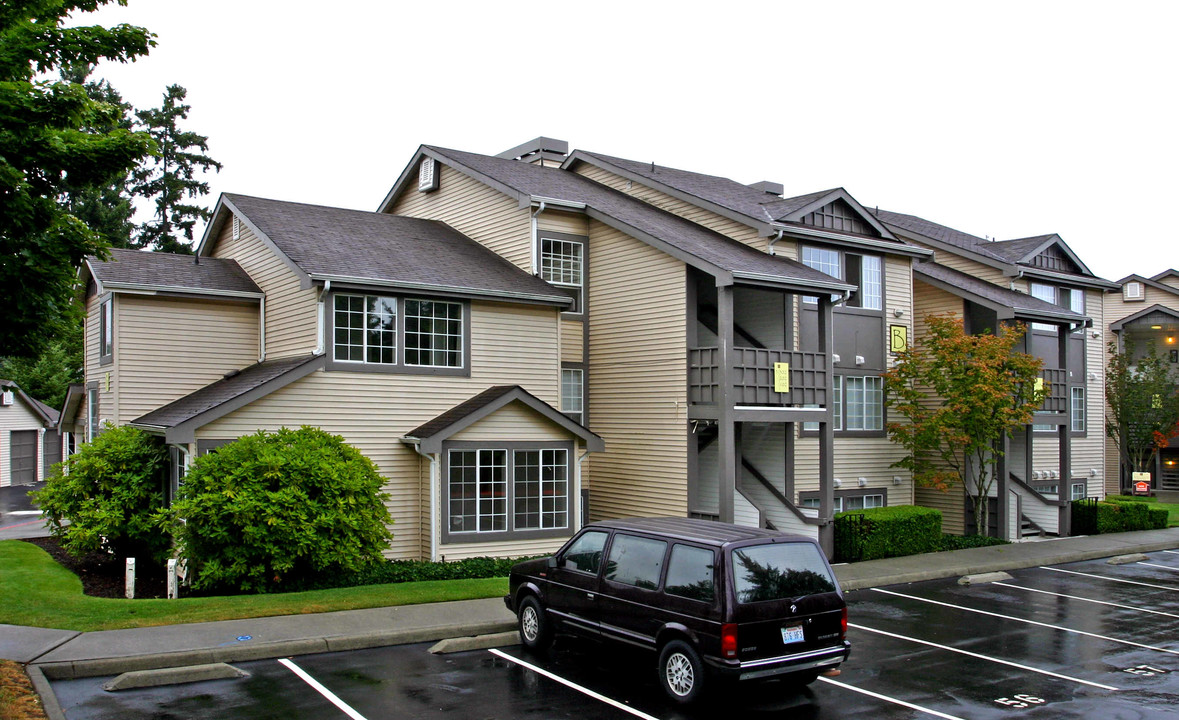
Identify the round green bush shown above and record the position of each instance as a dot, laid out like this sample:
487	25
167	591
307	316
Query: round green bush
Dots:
102	498
276	511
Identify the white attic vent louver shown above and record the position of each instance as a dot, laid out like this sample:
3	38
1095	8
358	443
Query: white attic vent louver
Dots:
1132	291
237	228
428	175
6	397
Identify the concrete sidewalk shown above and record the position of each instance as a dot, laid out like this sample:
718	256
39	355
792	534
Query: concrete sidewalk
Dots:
67	654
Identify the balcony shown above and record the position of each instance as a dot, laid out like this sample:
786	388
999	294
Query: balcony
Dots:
1056	387
753	377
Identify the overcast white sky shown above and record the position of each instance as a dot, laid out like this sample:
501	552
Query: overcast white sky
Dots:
1001	119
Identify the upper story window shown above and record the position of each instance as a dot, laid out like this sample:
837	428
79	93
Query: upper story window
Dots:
396	334
106	324
562	264
572	384
865	271
1071	298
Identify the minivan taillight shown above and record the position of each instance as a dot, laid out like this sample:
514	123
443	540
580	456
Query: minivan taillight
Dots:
729	640
843	624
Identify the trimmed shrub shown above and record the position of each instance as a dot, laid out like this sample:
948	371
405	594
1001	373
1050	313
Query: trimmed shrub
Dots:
397	571
278	511
1125	516
963	542
1157	518
1131	498
894	531
108	492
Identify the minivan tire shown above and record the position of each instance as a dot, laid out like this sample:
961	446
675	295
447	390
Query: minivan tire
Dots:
535	633
681	673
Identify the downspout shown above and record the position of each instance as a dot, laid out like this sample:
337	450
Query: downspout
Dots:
262	329
1018	275
417	447
319	320
774	240
535	262
577	491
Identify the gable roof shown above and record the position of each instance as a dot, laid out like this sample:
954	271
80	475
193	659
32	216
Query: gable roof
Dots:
697	246
429	436
731	199
169	272
1003	254
180	418
390	251
1151	282
1009	304
1159	312
48	415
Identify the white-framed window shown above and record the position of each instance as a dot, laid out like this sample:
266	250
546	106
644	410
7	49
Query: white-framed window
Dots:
478	485
365	329
572	393
848	502
864	403
541	492
91	414
865	271
1078	409
1076	300
562	264
1077	491
506	490
825	260
433	333
871	295
106	324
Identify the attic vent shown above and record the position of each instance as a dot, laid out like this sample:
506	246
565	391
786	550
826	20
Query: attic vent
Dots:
770	188
6	397
1132	291
237	228
427	175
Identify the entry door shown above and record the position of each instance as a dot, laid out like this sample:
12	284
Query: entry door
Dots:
23	456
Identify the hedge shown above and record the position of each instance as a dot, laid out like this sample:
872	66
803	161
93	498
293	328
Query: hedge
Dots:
891	531
1115	517
1131	498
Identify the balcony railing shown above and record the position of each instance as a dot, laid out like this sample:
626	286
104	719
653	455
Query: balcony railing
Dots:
1056	387
753	377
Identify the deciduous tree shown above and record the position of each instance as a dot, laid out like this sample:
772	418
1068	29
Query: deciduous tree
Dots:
1143	412
959	395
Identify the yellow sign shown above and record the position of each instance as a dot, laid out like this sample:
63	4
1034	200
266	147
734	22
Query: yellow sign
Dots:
1040	385
782	377
898	338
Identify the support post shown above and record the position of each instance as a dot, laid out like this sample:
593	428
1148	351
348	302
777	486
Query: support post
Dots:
1003	485
726	437
827	433
1064	491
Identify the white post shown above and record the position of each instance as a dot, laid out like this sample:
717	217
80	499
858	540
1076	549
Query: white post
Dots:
130	578
172	589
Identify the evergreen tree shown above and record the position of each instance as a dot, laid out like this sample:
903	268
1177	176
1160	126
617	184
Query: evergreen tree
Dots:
48	139
170	178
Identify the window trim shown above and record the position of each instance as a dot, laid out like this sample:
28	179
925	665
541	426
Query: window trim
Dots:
572	506
845	494
106	330
839	403
578	290
399	367
810	302
1072	490
1083	432
92	418
576	415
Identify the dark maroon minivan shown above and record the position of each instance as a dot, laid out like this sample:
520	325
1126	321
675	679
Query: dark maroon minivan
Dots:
708	598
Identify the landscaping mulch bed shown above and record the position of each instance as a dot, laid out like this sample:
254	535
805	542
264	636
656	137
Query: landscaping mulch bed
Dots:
105	576
18	701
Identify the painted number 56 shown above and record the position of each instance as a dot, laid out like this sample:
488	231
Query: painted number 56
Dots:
1020	701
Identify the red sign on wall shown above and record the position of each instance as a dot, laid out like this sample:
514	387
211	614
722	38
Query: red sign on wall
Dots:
1141	488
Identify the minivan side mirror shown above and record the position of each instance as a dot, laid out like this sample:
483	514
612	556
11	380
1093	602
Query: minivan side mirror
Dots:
553	563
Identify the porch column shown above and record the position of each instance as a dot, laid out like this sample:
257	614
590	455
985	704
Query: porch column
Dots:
1001	475
726	436
827	433
1065	434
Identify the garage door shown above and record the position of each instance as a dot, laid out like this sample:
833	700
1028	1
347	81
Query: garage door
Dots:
22	452
52	451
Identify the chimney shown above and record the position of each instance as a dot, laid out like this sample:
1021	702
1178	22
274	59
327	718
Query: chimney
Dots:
770	188
542	151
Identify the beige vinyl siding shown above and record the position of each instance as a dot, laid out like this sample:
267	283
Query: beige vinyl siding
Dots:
898	285
1089	451
514	421
572	341
637	377
17	416
510	549
292	313
973	268
1170	281
510	345
929	300
571	223
107	376
718	223
952	503
171	347
481	213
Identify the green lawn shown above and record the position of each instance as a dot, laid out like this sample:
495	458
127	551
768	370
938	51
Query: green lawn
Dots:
36	591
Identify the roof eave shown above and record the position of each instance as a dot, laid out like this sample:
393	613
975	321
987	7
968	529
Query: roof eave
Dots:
1085	280
897	247
561	300
143	288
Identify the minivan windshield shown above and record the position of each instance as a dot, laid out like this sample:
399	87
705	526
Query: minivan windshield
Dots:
779	571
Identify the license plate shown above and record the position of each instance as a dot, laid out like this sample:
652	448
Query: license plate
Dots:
792	634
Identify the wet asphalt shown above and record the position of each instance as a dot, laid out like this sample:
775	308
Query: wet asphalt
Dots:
19	518
1083	640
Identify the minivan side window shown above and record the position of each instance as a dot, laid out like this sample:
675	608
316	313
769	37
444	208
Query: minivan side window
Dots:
585	554
689	573
779	571
636	561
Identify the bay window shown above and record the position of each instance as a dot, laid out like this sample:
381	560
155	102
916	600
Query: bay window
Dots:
520	489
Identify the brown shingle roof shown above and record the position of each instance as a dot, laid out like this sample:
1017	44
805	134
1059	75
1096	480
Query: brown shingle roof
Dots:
171	271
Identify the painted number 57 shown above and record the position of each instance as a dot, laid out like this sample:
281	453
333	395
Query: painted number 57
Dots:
1020	701
1146	671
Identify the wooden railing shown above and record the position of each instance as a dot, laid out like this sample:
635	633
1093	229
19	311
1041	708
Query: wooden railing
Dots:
1056	385
753	377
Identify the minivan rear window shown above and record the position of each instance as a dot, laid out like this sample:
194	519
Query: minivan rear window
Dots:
779	571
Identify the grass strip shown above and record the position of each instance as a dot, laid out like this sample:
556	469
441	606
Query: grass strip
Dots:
38	592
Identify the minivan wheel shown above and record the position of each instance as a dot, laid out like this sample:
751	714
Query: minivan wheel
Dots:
680	672
534	626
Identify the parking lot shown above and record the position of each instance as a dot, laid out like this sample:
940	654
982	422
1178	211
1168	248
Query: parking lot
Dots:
1073	641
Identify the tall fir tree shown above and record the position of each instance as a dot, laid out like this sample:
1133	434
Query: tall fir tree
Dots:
169	180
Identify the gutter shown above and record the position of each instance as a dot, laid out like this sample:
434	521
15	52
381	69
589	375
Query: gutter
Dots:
896	248
154	289
445	289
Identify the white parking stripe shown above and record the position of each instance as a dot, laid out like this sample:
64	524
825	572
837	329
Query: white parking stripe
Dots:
1164	567
575	686
1029	622
1111	579
886	698
983	657
1173	552
1091	600
322	690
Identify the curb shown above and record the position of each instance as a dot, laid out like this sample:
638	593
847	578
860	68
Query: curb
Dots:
73	669
48	699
